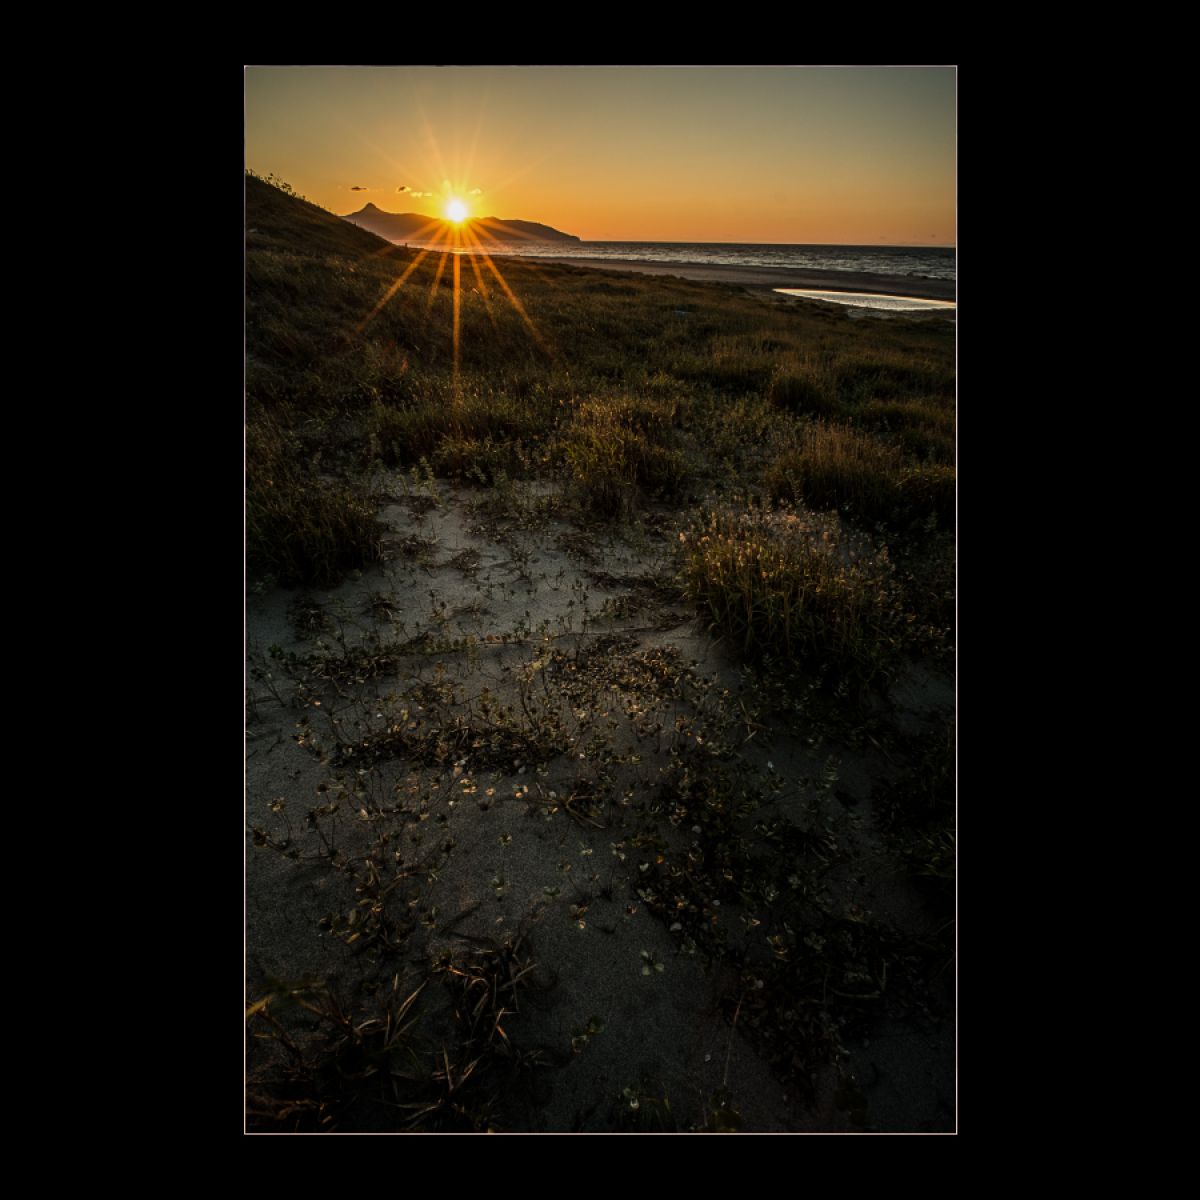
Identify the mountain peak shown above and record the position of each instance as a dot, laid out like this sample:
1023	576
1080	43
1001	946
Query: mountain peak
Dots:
400	227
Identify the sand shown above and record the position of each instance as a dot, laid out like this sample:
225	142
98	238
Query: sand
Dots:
779	277
535	595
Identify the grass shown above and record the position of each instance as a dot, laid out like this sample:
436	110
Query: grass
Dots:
629	391
618	452
779	471
302	528
429	1056
788	587
839	468
805	392
439	423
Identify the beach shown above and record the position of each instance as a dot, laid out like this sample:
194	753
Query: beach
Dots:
599	770
777	277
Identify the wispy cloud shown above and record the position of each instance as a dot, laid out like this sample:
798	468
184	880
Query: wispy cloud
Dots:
475	192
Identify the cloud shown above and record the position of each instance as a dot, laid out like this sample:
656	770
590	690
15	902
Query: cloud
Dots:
355	188
404	188
421	193
475	192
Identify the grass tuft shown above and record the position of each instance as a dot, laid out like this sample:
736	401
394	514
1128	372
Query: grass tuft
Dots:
803	392
836	467
617	453
302	528
863	478
790	587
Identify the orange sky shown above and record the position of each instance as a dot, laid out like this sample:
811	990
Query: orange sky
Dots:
860	156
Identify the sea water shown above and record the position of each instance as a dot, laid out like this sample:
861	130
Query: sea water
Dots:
926	262
870	300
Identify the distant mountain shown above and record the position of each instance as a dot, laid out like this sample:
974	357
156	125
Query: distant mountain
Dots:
411	227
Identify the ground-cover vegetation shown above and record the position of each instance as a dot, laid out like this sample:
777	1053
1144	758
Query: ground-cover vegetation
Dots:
601	644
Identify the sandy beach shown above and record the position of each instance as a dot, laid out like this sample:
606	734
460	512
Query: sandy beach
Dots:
552	824
778	277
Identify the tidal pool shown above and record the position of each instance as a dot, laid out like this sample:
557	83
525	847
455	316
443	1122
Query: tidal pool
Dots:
869	300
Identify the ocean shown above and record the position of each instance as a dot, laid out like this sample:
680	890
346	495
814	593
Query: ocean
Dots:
928	262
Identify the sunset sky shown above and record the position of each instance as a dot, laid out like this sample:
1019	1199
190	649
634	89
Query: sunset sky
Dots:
747	154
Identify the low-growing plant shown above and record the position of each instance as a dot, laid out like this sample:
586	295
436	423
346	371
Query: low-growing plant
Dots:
870	378
443	423
928	491
616	453
729	373
400	1063
791	587
645	1108
803	391
303	528
478	460
836	467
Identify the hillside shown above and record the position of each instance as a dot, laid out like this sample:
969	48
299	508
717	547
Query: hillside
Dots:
406	227
276	221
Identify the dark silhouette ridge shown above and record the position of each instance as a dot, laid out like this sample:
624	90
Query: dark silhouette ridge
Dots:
407	227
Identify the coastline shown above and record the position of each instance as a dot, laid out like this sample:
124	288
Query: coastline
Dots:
772	277
512	584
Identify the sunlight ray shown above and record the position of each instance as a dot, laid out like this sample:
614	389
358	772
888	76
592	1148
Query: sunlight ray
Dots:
433	287
457	302
482	288
395	287
512	299
392	290
432	141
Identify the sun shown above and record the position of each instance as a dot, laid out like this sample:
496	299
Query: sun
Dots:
456	210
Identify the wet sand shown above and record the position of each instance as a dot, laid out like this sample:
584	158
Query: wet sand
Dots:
777	277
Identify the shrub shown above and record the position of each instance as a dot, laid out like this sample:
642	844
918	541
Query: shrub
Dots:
310	532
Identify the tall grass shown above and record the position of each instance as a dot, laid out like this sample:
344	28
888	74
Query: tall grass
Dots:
407	432
787	586
617	452
630	387
836	467
302	528
804	390
887	376
862	477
